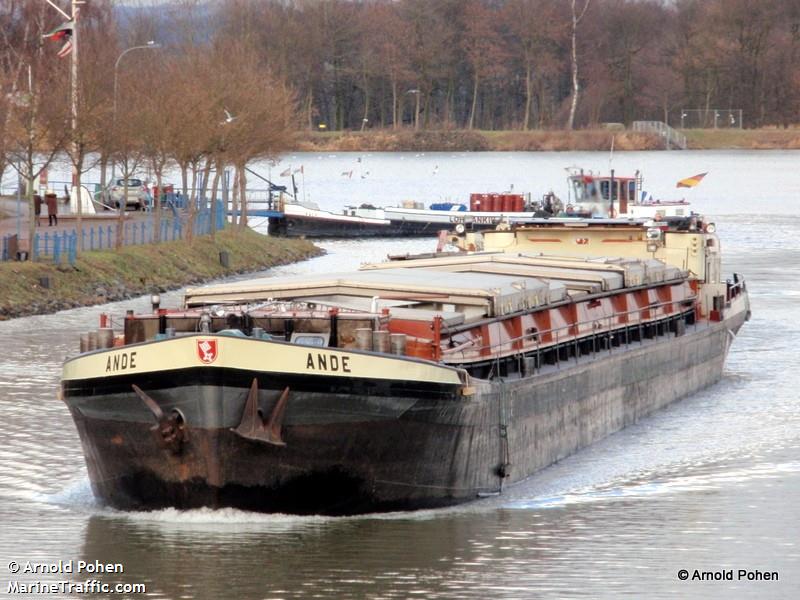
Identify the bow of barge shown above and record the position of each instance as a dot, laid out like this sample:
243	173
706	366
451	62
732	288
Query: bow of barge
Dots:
412	384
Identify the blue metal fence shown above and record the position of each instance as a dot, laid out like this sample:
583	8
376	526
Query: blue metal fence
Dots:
60	246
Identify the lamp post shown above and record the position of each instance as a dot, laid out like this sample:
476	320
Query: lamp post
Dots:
151	45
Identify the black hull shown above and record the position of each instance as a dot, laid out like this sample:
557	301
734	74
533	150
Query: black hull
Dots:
388	448
321	228
257	477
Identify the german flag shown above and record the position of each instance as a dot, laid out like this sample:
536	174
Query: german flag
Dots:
61	32
692	181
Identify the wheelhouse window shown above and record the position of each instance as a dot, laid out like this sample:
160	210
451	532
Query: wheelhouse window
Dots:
584	188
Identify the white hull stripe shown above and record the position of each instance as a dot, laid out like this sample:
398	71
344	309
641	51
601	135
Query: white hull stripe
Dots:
252	355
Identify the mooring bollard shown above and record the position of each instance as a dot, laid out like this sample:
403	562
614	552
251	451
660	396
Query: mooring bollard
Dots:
224	259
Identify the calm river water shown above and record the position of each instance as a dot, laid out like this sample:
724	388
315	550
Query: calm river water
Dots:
712	483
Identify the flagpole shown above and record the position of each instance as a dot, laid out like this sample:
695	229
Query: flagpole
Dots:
73	39
58	8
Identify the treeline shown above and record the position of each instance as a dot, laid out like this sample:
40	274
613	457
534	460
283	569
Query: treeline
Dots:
508	64
228	81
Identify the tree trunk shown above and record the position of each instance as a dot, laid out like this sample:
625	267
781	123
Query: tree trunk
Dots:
309	109
157	204
121	210
184	179
575	88
576	18
528	97
416	111
32	218
243	194
204	182
234	194
103	168
365	119
191	205
474	103
213	205
450	104
394	103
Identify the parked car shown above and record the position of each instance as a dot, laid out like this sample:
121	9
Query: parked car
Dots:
138	197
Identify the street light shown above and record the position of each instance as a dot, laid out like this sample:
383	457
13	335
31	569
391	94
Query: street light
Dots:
151	45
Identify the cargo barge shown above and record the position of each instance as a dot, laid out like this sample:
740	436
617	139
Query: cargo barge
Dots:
410	384
589	195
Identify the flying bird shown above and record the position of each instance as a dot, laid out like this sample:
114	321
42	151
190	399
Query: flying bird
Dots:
229	118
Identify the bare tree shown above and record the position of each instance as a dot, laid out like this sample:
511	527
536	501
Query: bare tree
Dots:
252	113
537	48
576	19
388	42
482	48
128	149
36	117
428	47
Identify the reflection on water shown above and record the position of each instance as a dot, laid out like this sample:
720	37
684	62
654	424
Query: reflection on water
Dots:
710	483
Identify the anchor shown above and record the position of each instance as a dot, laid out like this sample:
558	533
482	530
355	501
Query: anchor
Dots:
253	425
171	429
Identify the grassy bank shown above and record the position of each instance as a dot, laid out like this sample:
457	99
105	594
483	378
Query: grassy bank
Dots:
747	139
104	276
387	140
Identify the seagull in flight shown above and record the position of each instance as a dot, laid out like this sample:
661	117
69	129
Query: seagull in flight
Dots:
229	118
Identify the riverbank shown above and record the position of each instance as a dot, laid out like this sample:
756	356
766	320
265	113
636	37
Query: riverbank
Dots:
406	140
105	276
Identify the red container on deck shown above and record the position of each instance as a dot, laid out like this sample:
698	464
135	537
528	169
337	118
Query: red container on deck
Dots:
519	203
497	203
508	203
474	202
486	201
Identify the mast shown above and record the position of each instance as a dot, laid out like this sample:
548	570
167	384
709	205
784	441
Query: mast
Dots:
611	195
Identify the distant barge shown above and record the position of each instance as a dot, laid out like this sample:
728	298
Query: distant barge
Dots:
589	196
405	385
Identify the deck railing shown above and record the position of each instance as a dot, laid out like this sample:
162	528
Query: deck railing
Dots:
560	336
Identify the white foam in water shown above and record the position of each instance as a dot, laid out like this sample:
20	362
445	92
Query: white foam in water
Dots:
77	495
225	517
231	519
647	487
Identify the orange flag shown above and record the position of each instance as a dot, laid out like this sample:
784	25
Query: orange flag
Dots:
690	182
